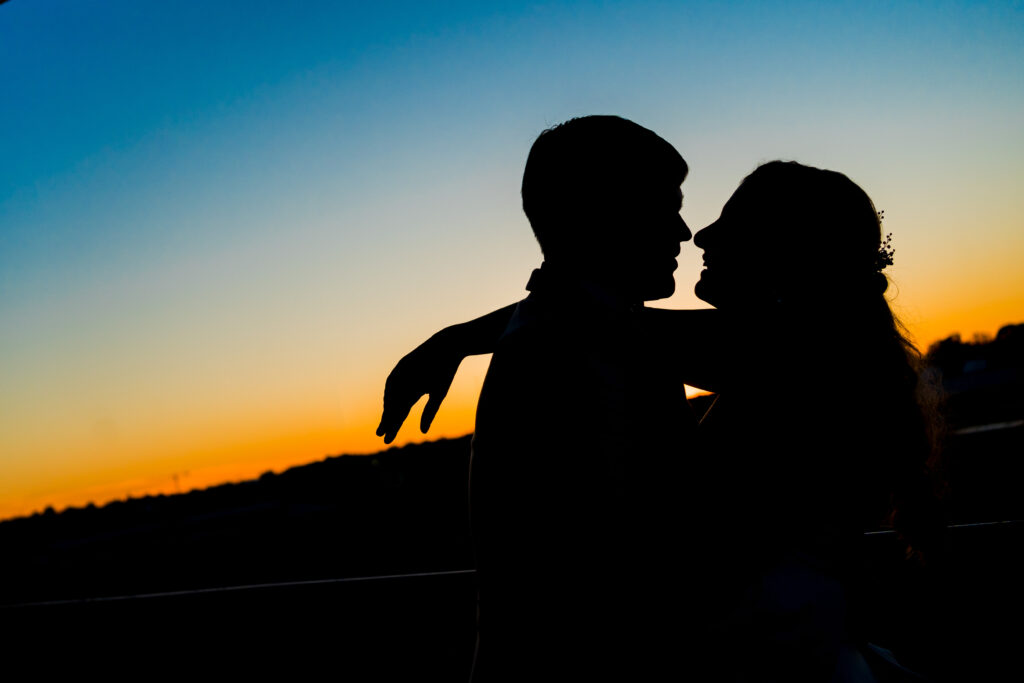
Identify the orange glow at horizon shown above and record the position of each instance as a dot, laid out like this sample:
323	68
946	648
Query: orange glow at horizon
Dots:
238	451
245	447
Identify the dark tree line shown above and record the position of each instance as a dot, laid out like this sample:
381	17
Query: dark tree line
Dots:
954	356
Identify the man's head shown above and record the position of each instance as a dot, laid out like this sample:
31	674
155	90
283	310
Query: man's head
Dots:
602	194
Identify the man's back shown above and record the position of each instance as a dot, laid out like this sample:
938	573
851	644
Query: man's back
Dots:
575	492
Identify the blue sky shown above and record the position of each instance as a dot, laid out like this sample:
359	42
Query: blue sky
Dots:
215	215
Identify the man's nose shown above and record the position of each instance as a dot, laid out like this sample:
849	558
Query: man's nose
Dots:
684	230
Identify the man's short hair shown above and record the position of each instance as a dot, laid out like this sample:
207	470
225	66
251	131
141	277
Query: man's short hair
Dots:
581	175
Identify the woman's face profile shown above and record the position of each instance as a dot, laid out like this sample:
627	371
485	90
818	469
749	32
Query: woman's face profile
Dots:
735	257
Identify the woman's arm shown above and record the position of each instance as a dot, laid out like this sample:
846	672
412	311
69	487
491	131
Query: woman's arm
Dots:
430	368
701	344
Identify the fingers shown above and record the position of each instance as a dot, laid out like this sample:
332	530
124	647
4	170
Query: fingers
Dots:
391	420
388	432
382	428
435	397
408	381
430	409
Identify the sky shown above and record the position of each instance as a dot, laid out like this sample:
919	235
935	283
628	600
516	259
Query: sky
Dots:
222	223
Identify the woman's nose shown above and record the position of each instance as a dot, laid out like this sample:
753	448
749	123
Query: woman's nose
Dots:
703	237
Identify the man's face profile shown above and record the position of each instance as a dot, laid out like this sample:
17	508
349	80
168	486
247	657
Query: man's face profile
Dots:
646	240
602	195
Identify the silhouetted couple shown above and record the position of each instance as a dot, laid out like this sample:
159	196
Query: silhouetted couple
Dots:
618	540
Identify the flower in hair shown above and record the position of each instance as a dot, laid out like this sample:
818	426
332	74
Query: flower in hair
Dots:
885	252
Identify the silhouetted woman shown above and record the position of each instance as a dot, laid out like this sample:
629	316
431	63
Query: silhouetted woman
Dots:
819	431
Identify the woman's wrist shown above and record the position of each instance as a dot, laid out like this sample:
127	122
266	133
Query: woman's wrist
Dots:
449	341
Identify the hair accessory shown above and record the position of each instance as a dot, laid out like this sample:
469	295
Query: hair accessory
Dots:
885	252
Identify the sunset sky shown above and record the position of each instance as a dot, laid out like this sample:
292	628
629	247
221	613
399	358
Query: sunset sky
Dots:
221	223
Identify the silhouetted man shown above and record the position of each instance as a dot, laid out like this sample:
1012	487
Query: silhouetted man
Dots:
574	487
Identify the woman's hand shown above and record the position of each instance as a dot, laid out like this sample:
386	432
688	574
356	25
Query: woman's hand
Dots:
428	369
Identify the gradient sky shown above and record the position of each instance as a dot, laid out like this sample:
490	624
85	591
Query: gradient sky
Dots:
221	223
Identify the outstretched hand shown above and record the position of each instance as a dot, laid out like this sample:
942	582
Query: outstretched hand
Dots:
425	370
430	368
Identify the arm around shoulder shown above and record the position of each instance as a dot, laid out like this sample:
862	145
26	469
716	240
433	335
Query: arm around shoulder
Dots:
430	368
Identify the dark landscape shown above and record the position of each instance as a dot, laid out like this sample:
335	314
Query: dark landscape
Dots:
283	541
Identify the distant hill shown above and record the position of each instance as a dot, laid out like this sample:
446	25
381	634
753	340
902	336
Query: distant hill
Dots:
401	510
956	358
983	379
405	509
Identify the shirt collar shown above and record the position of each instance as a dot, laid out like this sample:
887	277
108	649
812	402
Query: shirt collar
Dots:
550	280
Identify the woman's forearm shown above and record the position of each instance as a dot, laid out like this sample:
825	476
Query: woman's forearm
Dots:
430	369
476	336
697	344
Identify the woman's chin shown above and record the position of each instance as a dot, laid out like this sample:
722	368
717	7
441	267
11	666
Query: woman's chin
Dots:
660	290
704	289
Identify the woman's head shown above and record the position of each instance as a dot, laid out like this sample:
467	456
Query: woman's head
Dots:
795	234
806	243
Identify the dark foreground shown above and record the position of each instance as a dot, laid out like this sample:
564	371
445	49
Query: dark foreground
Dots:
255	578
962	626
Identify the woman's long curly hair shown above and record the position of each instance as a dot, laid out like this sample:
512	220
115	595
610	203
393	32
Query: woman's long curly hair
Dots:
826	236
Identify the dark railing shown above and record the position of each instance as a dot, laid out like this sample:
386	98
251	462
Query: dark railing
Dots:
960	625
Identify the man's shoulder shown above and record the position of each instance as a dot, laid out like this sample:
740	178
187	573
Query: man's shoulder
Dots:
551	349
541	358
533	360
